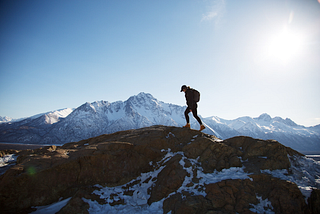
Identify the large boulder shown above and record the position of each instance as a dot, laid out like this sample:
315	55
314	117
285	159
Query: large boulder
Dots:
178	169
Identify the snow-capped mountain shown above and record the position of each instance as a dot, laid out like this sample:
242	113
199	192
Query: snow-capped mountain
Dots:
5	119
102	117
287	132
92	119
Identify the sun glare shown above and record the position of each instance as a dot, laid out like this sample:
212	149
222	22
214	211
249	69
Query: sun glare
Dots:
285	45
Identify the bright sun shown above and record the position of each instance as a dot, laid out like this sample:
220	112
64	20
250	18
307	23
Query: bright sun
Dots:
285	45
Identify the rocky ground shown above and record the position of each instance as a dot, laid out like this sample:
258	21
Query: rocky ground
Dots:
19	146
162	169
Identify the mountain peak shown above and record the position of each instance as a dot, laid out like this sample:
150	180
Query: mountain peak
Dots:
5	119
86	107
289	122
143	95
142	99
264	117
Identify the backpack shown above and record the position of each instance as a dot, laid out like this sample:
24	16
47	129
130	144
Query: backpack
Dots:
196	95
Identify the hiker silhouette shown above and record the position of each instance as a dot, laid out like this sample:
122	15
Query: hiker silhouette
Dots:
192	97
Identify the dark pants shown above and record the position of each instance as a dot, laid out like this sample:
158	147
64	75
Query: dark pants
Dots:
195	115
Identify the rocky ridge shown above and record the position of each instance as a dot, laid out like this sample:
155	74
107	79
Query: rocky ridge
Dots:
161	169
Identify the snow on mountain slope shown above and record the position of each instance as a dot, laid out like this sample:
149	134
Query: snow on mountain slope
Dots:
304	139
51	117
102	117
31	129
55	116
5	119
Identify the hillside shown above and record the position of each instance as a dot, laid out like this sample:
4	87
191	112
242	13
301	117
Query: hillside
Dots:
162	169
143	110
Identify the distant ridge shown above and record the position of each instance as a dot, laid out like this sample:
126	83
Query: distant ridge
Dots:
143	110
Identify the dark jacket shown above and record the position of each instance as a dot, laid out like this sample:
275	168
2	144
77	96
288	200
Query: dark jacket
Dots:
189	98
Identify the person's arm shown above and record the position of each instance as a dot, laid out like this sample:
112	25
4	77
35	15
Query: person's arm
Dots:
190	101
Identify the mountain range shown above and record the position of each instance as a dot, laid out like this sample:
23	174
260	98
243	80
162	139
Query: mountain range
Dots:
143	110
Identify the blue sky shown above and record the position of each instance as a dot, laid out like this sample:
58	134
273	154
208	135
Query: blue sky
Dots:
245	57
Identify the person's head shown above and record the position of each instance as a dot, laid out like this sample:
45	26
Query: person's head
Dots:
183	88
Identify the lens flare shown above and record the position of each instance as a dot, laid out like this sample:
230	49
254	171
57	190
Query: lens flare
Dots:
285	45
31	170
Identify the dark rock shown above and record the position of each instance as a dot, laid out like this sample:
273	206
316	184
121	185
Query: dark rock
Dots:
169	180
314	201
43	176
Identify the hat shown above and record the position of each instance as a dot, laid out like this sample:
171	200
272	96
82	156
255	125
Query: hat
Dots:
183	87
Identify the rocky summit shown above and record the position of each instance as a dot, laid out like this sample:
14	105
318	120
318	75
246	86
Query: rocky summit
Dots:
162	169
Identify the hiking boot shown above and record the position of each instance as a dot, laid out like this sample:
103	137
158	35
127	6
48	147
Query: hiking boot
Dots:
187	125
202	127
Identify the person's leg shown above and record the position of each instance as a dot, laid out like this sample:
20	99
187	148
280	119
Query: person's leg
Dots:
186	114
195	114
